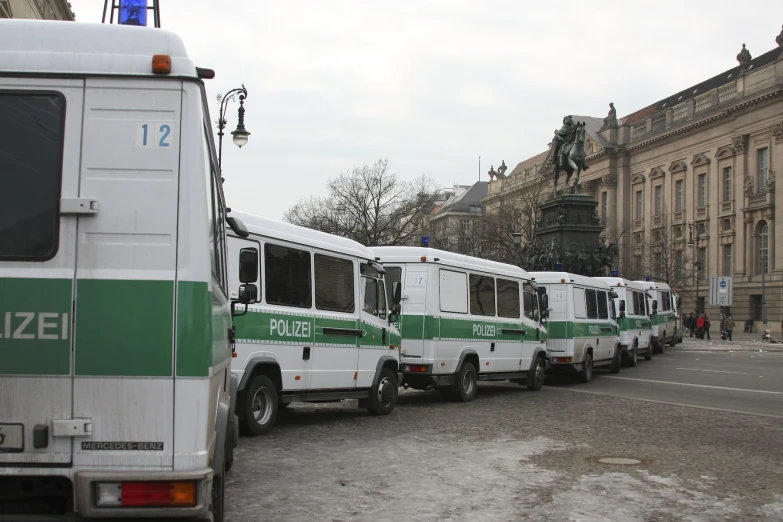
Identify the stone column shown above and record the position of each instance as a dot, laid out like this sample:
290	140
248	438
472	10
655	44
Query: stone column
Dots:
609	184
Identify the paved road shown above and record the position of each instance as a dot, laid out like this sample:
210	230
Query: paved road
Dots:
519	455
744	382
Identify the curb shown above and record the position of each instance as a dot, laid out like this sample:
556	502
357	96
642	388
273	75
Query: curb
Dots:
760	347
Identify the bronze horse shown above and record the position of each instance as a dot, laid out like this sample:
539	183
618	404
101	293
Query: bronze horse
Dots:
575	161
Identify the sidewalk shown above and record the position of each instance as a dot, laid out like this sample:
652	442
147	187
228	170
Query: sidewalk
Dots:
743	343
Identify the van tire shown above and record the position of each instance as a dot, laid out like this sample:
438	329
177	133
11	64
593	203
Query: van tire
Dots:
383	396
649	353
617	360
217	504
467	383
535	379
586	373
260	405
633	356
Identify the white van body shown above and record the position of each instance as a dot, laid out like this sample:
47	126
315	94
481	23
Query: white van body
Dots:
464	320
678	316
634	323
582	323
114	311
320	328
664	324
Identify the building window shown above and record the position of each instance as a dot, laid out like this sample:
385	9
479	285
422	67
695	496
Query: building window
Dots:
702	228
658	200
637	265
679	195
762	164
726	224
678	264
639	205
677	232
763	247
727	176
727	260
702	190
604	203
701	257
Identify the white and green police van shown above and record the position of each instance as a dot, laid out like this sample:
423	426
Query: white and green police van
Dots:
318	328
115	319
678	317
582	323
662	308
633	319
464	320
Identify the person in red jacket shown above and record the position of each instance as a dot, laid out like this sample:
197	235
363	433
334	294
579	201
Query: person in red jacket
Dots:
700	326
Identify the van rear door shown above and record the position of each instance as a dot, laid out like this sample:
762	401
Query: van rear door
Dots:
40	136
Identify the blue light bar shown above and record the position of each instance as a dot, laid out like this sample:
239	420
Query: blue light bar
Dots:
648	278
425	241
133	12
559	267
615	273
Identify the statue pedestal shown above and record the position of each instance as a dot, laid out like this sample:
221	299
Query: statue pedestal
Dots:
573	222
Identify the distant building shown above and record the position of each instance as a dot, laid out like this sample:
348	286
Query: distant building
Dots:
704	159
37	9
452	221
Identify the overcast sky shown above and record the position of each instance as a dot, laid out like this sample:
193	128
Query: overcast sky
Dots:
433	85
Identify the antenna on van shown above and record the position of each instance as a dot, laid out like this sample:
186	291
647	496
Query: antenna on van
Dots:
132	12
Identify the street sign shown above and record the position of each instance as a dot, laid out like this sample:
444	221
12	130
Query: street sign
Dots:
721	291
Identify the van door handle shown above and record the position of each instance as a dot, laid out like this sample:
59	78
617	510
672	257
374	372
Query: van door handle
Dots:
306	353
492	347
343	331
507	331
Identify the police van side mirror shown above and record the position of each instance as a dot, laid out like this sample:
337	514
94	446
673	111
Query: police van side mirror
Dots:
394	313
396	293
622	309
237	226
544	306
654	308
248	294
248	265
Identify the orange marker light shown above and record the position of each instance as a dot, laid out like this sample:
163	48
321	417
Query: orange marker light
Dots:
297	377
161	64
183	494
423	258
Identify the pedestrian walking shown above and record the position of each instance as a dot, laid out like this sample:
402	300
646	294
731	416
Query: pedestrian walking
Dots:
728	327
706	327
692	324
700	327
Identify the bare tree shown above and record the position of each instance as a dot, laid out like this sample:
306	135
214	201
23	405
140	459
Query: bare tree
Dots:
370	204
663	254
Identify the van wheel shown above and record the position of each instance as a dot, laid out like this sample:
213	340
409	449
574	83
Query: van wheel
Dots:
649	353
673	341
633	356
466	384
218	495
260	405
616	360
383	397
586	374
535	379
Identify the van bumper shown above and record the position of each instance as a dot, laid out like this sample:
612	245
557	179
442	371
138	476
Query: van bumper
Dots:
84	507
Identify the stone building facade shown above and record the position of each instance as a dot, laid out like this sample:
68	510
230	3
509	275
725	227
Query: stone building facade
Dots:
697	172
37	9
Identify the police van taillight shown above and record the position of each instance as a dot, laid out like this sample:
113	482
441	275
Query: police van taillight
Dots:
145	494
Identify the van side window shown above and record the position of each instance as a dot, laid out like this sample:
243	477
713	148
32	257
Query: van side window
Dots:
666	301
603	311
334	287
591	304
580	306
393	275
31	152
482	295
453	292
508	298
287	277
531	306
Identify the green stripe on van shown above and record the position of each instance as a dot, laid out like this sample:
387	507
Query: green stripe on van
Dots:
35	326
571	329
662	317
124	328
428	328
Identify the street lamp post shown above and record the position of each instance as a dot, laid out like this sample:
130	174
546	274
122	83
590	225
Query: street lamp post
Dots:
517	239
696	263
240	135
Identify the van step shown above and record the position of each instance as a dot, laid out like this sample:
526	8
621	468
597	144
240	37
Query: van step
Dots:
325	395
501	376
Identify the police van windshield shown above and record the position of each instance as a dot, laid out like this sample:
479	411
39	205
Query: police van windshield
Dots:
31	150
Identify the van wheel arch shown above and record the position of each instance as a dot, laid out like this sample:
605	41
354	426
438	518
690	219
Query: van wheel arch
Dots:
259	366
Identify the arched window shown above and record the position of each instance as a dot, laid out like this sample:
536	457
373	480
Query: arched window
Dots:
763	247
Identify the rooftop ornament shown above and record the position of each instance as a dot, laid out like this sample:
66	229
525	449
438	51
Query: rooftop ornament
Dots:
744	58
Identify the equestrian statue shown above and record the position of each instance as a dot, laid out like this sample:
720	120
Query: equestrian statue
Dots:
569	153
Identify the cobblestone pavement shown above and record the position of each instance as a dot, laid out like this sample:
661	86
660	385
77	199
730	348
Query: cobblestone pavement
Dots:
510	455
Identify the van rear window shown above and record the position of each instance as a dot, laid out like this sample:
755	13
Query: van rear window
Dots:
31	152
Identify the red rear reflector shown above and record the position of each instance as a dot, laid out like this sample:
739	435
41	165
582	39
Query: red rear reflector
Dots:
158	494
563	359
419	369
